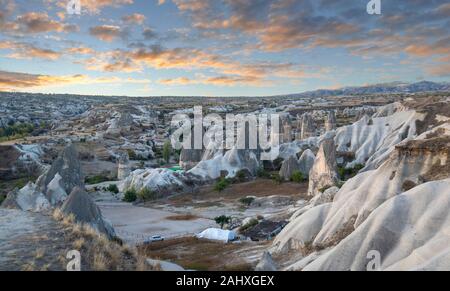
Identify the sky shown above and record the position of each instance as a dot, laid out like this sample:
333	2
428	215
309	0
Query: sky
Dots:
219	47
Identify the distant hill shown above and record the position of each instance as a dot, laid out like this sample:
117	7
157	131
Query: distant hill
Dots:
394	87
386	88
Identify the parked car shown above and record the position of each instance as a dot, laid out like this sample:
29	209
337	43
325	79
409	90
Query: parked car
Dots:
155	238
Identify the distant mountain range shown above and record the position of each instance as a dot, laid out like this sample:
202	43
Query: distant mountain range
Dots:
386	88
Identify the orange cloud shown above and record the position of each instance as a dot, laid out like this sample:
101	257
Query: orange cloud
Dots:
93	6
134	18
15	80
28	51
34	22
105	32
81	51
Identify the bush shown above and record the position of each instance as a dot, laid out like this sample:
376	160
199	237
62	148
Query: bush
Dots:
262	173
253	222
347	173
277	179
113	188
167	151
324	189
132	155
222	220
146	194
221	185
298	177
18	130
96	179
241	176
247	200
130	196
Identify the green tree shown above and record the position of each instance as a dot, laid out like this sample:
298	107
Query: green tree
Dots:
221	185
167	151
130	195
113	188
146	194
297	177
222	220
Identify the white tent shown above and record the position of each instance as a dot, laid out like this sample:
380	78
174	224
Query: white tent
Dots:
217	234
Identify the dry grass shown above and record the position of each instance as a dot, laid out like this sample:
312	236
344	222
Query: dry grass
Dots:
29	267
100	262
39	253
79	243
183	217
194	254
207	197
97	251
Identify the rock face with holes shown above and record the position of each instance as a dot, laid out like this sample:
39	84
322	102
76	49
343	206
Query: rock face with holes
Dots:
84	209
409	232
399	209
323	173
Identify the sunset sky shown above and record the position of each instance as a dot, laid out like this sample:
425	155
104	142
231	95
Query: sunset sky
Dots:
219	47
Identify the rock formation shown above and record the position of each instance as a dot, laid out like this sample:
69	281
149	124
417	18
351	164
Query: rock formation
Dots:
323	173
289	167
377	209
189	158
287	132
308	128
158	180
266	264
68	167
84	209
409	232
18	162
29	198
330	121
306	162
123	169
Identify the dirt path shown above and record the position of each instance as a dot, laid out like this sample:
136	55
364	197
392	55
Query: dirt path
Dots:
134	224
29	241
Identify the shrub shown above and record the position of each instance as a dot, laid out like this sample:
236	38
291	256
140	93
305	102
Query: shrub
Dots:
277	179
18	130
96	179
113	188
130	195
132	155
241	176
253	222
221	185
145	194
262	173
167	151
340	184
222	220
324	188
347	173
298	177
247	200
